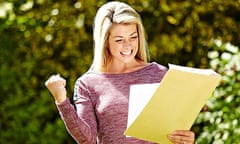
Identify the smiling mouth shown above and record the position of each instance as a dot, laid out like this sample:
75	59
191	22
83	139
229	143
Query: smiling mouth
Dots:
126	53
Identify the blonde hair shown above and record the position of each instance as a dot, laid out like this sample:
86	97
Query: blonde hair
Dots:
120	13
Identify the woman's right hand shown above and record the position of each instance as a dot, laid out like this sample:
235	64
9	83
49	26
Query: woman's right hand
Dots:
56	85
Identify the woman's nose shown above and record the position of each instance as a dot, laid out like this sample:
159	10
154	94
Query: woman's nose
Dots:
127	44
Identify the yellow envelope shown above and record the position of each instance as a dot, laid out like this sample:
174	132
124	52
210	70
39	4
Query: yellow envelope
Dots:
156	110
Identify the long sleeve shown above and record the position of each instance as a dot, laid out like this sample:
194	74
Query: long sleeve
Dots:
80	123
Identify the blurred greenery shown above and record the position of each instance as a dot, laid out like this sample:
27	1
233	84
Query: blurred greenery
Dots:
218	123
42	37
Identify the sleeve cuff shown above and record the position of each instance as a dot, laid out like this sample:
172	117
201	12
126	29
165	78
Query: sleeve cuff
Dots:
65	106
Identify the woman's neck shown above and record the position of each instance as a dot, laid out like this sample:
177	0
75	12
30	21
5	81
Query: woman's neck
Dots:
123	67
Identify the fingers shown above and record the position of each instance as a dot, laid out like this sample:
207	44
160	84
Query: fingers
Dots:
182	137
56	85
55	79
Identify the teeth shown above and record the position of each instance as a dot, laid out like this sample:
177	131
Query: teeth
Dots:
126	52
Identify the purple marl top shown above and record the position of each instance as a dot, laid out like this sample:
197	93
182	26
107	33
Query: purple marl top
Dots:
101	102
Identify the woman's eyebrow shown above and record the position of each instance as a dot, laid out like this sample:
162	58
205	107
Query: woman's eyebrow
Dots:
133	33
119	36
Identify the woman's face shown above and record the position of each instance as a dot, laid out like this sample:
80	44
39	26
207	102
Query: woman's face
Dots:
123	42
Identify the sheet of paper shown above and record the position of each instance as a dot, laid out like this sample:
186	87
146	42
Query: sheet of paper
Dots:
174	105
140	96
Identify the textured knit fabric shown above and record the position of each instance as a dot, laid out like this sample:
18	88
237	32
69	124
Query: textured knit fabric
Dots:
101	102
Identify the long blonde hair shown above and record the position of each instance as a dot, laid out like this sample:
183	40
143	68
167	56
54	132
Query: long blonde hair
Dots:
120	13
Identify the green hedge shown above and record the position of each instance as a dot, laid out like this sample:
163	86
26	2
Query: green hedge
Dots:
218	123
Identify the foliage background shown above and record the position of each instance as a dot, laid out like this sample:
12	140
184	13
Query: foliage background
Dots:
42	37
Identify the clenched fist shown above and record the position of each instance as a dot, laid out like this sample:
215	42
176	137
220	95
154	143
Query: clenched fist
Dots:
56	85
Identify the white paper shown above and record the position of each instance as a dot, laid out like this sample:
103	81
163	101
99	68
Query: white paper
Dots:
140	94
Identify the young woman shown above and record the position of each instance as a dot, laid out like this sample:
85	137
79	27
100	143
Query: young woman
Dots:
101	95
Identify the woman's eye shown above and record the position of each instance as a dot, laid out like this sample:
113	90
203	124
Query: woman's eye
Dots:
119	40
134	37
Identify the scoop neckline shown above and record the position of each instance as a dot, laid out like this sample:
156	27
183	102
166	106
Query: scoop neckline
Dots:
127	73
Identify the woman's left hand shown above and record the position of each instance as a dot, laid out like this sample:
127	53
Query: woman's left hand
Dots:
182	137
